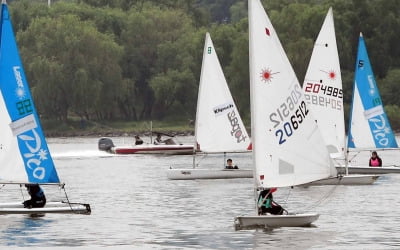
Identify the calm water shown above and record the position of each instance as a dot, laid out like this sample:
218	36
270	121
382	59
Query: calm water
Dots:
134	205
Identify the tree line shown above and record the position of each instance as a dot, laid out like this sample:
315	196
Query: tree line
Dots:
128	60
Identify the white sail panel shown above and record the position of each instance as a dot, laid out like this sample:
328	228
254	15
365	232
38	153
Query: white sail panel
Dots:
323	87
288	148
12	164
219	127
359	123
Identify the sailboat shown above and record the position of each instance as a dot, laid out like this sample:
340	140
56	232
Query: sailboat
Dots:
218	126
24	154
323	92
369	126
167	147
288	148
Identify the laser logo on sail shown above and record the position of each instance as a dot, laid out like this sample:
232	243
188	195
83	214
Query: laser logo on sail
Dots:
20	85
267	75
372	85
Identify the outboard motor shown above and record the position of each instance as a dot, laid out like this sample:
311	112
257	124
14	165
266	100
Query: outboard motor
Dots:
105	144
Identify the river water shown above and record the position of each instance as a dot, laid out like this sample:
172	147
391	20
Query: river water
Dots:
134	206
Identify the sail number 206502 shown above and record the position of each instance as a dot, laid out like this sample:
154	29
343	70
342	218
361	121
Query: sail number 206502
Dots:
290	114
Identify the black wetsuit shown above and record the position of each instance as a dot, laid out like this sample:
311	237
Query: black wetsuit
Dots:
38	199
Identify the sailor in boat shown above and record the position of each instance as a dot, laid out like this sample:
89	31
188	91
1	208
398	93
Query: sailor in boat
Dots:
138	140
159	141
38	199
229	165
375	160
267	205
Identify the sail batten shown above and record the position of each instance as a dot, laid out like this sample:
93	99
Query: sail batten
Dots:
24	153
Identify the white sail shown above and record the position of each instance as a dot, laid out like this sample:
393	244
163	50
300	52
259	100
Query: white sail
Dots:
218	127
288	148
323	88
13	168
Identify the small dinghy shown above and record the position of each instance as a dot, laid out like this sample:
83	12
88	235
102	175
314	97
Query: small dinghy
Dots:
218	126
24	154
288	147
369	126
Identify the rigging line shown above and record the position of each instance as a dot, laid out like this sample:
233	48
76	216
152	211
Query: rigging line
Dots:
20	189
354	156
203	156
323	198
66	196
285	201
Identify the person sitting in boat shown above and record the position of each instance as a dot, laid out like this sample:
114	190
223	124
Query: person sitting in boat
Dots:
38	199
229	165
138	140
158	140
375	160
266	204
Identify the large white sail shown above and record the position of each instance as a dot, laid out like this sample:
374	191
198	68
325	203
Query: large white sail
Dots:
219	127
323	88
288	148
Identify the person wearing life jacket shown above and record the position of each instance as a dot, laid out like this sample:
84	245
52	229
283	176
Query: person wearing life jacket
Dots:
158	140
266	204
38	199
375	160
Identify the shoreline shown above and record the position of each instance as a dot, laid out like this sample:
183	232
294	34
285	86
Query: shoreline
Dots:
92	134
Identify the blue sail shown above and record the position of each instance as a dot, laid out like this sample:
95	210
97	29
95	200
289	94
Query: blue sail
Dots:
25	125
367	112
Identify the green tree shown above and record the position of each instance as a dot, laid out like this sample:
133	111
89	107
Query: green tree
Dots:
86	70
157	43
393	113
389	87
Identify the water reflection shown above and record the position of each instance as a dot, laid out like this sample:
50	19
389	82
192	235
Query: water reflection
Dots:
24	230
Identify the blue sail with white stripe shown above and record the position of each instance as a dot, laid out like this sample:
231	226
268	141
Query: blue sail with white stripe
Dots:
24	153
369	125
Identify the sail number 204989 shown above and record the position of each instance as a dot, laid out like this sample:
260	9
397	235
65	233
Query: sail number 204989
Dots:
289	115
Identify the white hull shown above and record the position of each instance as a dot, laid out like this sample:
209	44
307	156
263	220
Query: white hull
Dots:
170	148
193	173
346	180
154	149
50	207
273	221
370	170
